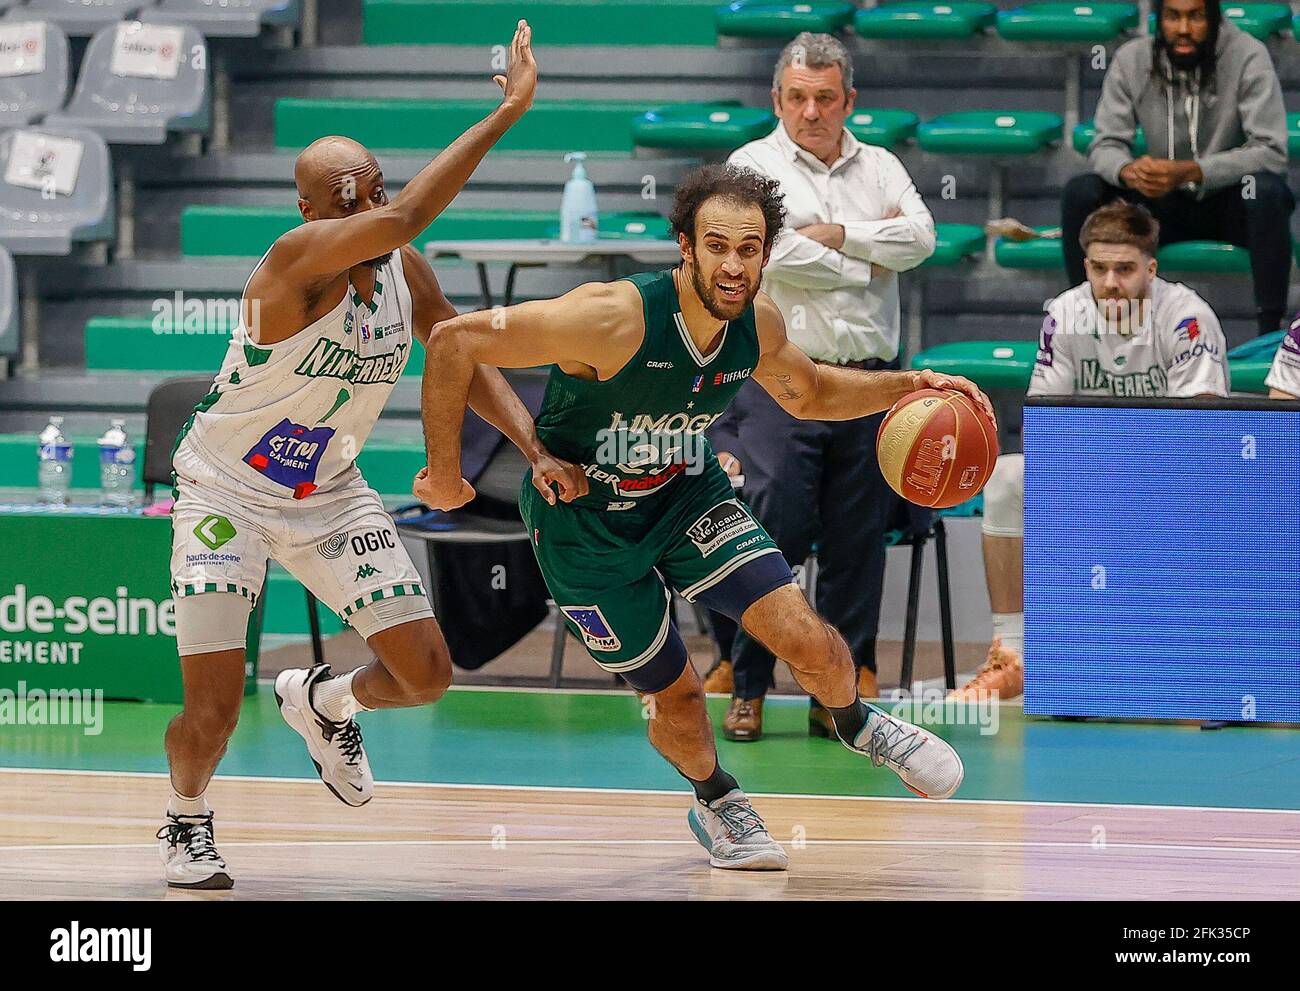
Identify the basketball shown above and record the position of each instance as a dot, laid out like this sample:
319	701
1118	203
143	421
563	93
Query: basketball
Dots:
936	448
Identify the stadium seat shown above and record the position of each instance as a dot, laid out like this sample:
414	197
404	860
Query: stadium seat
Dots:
990	132
226	18
1249	363
1204	256
79	17
1067	22
554	22
208	230
1293	135
1261	20
721	127
1042	253
989	364
133	343
781	20
30	224
1086	130
953	243
135	109
924	21
26	98
9	334
885	128
551	125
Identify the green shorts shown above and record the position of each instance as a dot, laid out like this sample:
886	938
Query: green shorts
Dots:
610	571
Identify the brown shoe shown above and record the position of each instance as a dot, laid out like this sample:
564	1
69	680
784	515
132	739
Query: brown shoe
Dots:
867	687
719	680
744	722
820	723
1001	676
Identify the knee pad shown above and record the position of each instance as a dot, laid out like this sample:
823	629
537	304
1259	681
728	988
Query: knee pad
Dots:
375	617
211	621
1004	498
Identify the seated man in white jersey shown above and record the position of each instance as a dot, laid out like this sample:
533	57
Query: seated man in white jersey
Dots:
265	468
1123	333
1283	379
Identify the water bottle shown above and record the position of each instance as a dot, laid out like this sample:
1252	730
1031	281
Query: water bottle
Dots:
116	466
578	216
54	475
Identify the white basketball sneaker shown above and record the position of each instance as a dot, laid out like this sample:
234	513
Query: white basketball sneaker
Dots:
335	748
732	832
928	766
189	856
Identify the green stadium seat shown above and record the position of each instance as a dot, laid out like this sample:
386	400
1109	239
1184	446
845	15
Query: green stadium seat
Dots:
1067	22
924	21
1085	131
140	344
885	128
722	127
990	132
989	364
781	20
237	230
1204	256
632	226
1293	129
554	22
1262	347
551	125
1248	374
1261	20
953	243
1043	253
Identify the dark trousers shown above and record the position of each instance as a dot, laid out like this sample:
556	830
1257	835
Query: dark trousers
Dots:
1260	223
813	482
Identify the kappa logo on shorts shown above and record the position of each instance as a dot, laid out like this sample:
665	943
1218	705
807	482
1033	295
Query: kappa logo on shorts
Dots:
367	570
596	633
215	531
721	524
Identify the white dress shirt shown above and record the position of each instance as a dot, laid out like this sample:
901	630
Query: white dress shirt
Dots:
836	307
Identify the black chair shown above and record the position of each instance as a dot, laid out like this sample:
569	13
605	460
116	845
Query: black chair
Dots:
915	527
169	407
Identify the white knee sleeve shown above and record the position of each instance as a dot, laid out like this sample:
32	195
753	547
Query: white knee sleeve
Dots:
384	614
1004	498
211	621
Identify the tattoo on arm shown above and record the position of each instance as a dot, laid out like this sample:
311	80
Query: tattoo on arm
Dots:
788	391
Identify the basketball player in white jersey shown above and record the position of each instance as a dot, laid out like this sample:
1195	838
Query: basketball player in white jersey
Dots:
1123	333
1283	379
265	468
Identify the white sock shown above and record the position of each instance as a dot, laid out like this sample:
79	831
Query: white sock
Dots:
334	700
1010	627
182	806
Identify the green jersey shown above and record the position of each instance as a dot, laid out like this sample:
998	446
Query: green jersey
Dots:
636	432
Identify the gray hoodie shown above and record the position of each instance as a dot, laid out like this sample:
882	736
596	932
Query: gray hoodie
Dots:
1232	126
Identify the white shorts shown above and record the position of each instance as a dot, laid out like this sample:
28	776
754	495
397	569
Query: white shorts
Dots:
340	543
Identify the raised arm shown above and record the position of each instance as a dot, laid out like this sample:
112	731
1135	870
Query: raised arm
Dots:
592	330
323	248
811	391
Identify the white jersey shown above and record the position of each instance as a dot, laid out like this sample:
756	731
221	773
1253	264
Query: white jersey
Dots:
1177	351
288	419
1284	375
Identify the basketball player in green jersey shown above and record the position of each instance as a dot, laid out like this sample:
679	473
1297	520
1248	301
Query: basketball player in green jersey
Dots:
641	366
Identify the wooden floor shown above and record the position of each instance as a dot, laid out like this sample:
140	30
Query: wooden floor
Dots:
90	835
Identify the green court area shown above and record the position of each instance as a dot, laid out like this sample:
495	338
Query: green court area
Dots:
597	740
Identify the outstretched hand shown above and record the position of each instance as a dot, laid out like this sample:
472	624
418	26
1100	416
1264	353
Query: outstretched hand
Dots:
519	84
928	379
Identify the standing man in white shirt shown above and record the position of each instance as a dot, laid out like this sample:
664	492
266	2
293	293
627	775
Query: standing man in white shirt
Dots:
854	221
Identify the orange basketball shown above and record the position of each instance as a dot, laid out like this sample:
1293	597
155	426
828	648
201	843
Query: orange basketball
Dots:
937	447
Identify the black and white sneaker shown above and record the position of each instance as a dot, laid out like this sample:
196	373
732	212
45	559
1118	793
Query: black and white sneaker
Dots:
189	854
335	748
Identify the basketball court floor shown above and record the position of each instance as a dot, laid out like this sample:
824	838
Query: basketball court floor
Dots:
517	794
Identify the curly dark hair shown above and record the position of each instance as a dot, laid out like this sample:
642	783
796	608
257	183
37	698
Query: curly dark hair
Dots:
734	183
